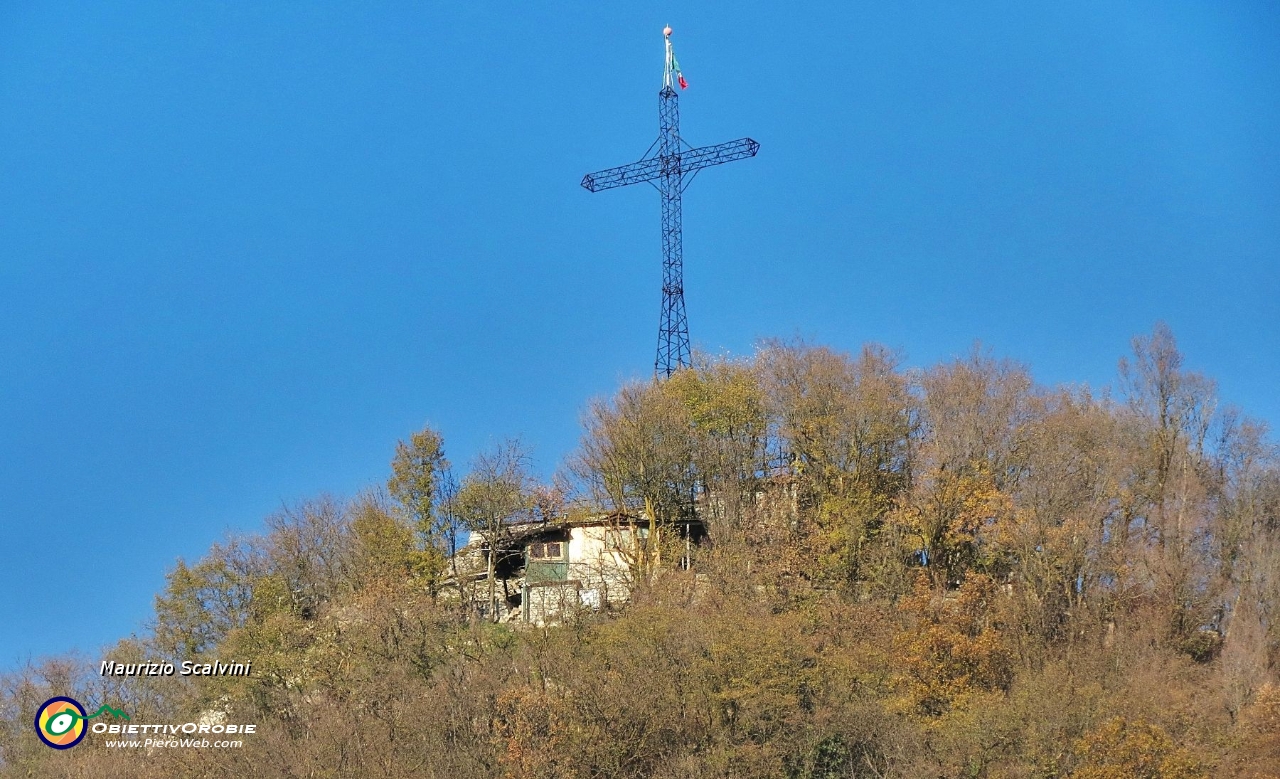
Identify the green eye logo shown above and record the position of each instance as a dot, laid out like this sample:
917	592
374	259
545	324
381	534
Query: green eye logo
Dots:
60	722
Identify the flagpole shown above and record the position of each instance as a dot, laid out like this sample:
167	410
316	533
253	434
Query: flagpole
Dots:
666	67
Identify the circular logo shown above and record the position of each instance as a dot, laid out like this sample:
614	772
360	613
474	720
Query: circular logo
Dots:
60	722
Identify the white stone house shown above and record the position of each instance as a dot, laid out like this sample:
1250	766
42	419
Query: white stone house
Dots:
545	571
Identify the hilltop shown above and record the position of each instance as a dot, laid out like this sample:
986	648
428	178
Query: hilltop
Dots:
951	571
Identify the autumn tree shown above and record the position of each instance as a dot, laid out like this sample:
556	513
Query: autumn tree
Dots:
952	645
1053	535
848	426
1119	749
970	457
202	603
728	429
422	486
638	448
384	545
1177	482
498	490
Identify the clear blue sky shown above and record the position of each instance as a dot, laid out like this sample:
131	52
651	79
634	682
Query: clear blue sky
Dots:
245	247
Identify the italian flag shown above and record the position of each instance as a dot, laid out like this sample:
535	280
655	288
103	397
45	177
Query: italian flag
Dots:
675	67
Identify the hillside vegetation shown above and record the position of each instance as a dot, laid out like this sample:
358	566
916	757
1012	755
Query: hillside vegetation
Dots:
948	572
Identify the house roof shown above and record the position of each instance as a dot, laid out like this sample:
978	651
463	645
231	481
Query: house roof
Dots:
518	533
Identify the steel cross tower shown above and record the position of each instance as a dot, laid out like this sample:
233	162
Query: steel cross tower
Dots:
670	165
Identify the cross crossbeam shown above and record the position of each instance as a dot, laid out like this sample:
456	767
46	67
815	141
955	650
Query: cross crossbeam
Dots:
670	165
652	168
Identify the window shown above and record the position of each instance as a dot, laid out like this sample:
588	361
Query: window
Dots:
553	550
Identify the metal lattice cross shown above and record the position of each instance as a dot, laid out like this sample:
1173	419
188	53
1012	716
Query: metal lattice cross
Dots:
670	165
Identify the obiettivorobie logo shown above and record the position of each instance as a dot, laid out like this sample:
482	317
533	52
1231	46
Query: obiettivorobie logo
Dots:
60	721
61	724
